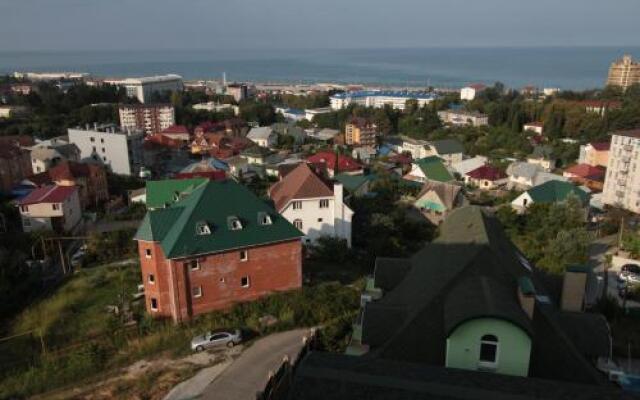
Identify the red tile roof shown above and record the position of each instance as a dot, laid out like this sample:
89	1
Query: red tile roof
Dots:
175	130
48	194
327	159
301	183
587	171
68	170
537	124
160	140
487	172
601	146
478	86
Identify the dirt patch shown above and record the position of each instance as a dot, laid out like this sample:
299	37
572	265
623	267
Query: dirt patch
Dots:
145	379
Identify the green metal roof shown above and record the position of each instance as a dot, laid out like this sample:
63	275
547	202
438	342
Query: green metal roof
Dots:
434	169
556	191
214	204
354	182
162	193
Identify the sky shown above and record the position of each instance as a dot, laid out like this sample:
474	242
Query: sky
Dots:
318	24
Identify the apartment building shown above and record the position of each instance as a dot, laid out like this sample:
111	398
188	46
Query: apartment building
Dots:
470	92
624	72
238	91
595	154
118	149
622	182
213	106
151	118
463	117
359	131
144	88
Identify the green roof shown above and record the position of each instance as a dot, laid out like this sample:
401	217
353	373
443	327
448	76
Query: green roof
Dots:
215	204
162	193
448	146
556	191
434	169
353	182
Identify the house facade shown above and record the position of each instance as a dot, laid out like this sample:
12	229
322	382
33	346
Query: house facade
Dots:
263	136
312	205
486	177
595	154
437	199
548	193
463	118
51	208
214	245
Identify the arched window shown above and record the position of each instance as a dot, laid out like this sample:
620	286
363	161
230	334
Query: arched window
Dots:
488	351
298	223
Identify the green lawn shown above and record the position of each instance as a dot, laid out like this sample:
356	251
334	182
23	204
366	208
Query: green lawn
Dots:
83	341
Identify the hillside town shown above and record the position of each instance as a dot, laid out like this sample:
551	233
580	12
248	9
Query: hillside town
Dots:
470	243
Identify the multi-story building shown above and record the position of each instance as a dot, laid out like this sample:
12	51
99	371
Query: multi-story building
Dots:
622	182
50	153
463	117
213	244
238	91
144	88
151	118
91	180
624	72
312	205
359	131
595	154
55	208
380	99
15	161
470	92
120	150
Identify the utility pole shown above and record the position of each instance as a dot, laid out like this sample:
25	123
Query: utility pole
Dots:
64	269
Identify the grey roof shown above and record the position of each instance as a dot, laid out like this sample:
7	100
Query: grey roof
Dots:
341	377
448	193
411	322
389	272
447	146
262	132
524	169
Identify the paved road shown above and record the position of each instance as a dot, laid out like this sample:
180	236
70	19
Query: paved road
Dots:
249	373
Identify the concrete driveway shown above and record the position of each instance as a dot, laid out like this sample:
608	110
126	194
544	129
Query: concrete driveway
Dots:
249	373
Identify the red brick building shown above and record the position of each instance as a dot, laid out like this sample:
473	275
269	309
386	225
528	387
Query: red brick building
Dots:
215	245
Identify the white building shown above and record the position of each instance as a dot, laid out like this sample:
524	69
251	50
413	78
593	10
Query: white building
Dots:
144	88
50	153
51	76
312	205
263	136
470	92
310	113
404	144
51	208
622	182
117	149
151	118
462	118
536	127
213	106
379	99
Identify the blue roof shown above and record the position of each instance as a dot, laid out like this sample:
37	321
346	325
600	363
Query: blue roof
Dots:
210	162
421	95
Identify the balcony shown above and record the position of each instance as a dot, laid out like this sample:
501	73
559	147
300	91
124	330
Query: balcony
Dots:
626	159
627	147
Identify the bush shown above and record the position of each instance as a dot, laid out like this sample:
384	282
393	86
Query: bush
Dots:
330	249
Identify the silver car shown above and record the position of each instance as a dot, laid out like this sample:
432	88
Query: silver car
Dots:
215	339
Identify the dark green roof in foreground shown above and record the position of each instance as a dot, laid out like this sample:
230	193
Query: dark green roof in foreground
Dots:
214	204
556	191
434	169
354	182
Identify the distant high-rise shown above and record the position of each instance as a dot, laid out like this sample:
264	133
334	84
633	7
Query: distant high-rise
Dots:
624	72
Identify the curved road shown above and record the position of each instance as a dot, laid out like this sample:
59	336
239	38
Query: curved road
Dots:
249	373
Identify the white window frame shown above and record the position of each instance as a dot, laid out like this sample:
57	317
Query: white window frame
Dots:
297	205
489	364
194	267
248	282
151	279
151	301
196	291
147	253
244	255
324	203
296	222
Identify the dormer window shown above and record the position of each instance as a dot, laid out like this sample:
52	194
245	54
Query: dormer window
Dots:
202	228
234	223
176	196
264	218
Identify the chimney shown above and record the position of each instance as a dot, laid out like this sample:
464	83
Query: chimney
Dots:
574	287
526	295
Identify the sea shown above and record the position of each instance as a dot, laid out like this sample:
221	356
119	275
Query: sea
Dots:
568	68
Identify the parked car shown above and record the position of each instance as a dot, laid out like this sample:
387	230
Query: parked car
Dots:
630	273
629	291
217	338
